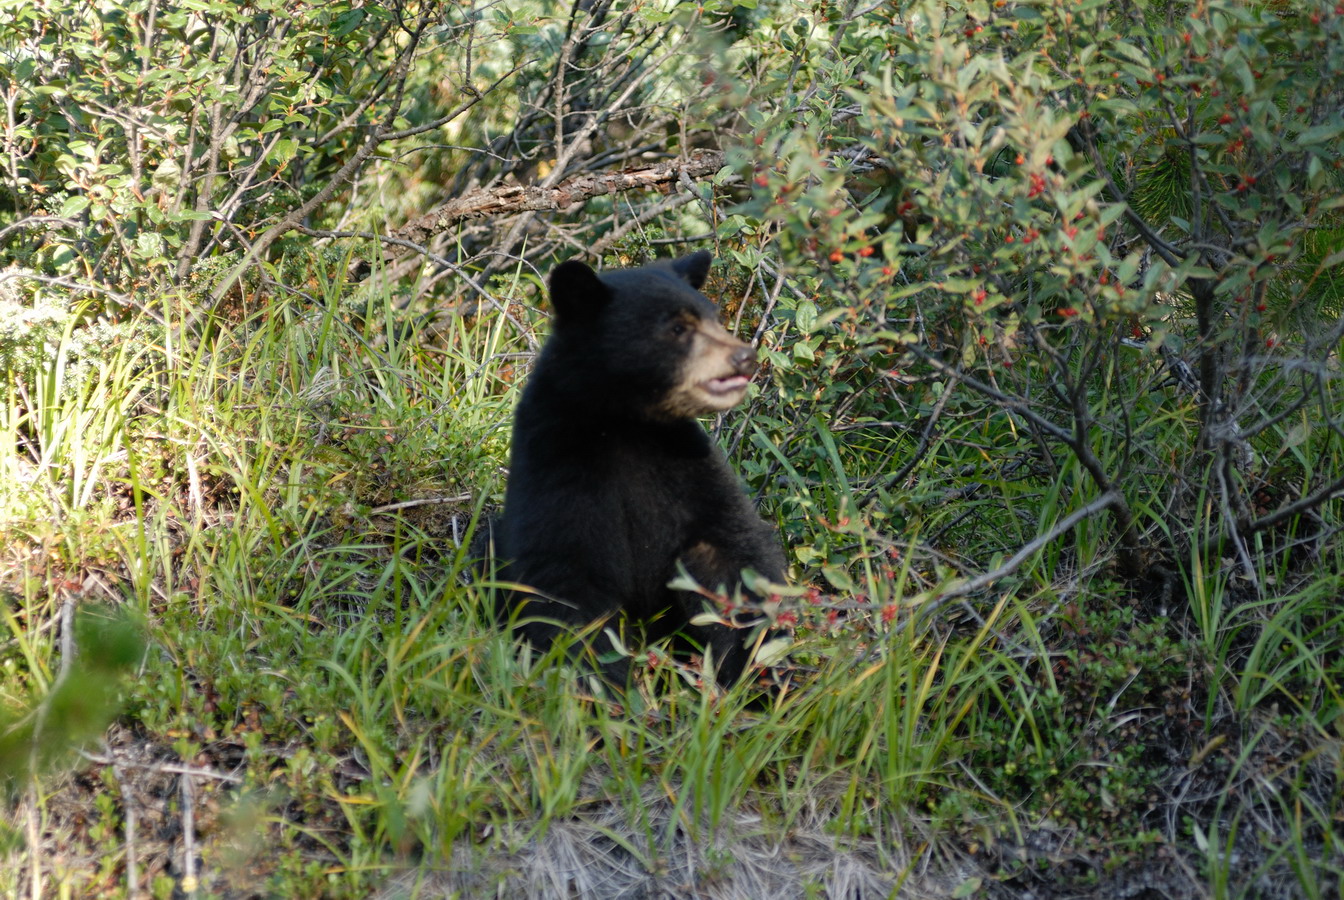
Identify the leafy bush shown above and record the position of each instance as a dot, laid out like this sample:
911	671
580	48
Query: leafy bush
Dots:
1120	228
146	137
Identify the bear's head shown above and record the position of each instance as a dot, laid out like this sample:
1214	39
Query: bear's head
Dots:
644	341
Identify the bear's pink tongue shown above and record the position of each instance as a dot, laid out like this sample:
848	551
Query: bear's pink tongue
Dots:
727	385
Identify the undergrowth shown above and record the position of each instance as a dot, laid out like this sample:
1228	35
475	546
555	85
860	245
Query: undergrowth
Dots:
321	700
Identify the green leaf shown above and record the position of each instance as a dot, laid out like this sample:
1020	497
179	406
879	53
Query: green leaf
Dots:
283	151
966	888
837	577
805	316
149	244
1321	134
347	22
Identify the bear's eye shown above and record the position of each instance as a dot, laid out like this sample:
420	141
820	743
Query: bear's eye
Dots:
680	328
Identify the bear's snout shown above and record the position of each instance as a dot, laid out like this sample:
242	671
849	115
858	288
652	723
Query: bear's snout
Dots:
744	360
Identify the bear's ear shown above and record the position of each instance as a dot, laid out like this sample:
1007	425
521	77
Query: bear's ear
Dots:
576	291
694	268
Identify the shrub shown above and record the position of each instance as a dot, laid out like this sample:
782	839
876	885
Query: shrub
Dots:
1118	224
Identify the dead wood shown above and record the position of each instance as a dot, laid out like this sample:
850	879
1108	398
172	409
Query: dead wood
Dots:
512	198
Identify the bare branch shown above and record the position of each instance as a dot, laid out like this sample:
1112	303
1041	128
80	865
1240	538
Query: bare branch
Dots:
1011	565
422	501
1311	501
359	269
507	199
34	221
295	216
476	97
925	439
72	285
120	761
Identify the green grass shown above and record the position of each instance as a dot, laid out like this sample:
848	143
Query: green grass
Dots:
282	512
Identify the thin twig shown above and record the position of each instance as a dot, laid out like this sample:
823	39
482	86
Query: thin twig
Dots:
1310	501
1233	533
34	221
422	501
188	885
1018	405
71	284
170	768
476	97
925	438
359	269
34	829
39	721
128	807
980	582
638	221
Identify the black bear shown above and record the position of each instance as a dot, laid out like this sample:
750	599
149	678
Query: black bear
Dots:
612	481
